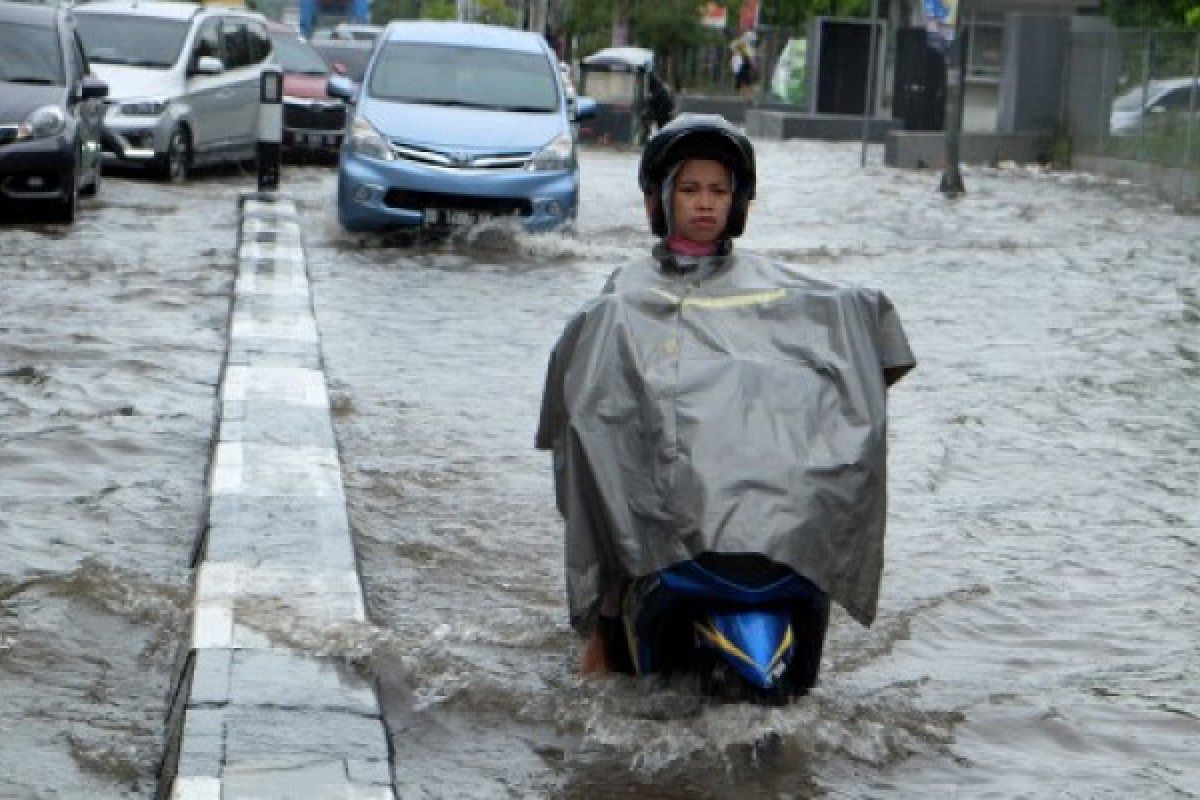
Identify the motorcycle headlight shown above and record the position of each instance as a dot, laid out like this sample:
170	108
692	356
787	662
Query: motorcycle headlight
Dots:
367	141
559	154
144	108
42	123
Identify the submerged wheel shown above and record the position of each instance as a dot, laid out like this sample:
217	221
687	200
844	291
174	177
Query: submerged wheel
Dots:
65	210
176	163
93	188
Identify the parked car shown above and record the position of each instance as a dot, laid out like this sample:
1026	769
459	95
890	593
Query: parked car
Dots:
455	123
1164	99
313	122
51	110
184	81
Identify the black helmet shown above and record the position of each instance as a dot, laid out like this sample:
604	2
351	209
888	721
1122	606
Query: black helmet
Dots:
708	136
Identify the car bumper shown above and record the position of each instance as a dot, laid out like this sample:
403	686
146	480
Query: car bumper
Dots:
135	140
39	169
304	140
313	126
376	195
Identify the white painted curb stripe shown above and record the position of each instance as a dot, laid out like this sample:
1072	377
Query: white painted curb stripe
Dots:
295	386
265	470
293	327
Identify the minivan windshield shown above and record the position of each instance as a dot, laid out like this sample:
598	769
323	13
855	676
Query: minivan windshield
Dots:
30	55
296	56
131	40
476	77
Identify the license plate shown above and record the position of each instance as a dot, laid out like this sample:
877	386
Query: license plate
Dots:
445	217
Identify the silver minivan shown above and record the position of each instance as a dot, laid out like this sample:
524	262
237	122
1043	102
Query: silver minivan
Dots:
183	81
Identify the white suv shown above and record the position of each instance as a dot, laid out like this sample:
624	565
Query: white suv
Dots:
183	81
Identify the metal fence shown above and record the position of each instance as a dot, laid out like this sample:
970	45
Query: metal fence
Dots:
1135	95
706	69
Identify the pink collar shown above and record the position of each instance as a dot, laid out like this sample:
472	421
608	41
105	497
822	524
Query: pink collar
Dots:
686	247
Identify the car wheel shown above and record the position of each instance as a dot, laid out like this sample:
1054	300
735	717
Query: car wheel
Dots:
65	211
93	188
176	163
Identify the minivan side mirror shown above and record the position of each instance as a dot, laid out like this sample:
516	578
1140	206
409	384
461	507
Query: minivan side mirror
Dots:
208	65
92	87
585	107
343	87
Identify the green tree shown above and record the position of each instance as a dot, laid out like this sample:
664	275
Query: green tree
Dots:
1153	13
797	13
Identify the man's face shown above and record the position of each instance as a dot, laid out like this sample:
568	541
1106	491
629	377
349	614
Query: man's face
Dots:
701	200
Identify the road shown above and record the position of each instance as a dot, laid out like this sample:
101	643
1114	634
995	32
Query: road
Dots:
1036	629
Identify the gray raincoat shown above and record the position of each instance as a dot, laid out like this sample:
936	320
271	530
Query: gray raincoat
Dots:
731	405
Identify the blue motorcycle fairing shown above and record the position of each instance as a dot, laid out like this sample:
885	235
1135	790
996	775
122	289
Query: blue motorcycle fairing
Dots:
746	620
757	644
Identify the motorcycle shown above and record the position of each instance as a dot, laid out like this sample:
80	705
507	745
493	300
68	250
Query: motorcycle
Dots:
752	629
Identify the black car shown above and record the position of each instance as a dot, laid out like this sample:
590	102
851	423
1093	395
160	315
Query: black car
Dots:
51	111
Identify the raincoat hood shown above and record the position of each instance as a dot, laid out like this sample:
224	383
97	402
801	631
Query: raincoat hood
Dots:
734	405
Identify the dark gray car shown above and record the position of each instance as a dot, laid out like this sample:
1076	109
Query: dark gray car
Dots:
51	111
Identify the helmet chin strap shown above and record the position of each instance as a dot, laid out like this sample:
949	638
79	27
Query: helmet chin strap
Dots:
666	197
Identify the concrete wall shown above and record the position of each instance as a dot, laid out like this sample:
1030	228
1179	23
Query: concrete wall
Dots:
830	127
730	107
921	150
1177	186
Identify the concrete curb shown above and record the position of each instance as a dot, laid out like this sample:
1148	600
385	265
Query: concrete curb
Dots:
253	718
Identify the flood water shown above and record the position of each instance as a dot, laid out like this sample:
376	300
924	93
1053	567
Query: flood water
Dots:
1037	628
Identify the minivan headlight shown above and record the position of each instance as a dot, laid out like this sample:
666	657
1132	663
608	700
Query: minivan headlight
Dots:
367	141
42	123
559	154
144	108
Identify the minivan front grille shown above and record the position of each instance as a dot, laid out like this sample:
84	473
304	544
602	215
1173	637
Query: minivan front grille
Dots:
314	116
462	159
492	206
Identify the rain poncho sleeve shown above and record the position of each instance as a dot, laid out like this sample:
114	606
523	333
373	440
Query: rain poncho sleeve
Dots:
736	407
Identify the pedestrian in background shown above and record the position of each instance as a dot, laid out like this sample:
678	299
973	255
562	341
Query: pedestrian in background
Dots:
743	60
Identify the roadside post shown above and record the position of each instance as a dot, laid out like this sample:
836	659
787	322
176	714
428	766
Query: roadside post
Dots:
952	183
270	127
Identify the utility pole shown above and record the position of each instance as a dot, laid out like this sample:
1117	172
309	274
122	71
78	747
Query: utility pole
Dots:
952	182
868	103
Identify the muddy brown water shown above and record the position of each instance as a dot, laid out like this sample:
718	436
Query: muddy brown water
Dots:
1036	635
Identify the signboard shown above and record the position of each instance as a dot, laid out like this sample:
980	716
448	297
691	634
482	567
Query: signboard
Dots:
748	19
714	15
940	19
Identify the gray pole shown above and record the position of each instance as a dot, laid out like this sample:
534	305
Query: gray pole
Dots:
1187	141
1147	67
952	182
867	107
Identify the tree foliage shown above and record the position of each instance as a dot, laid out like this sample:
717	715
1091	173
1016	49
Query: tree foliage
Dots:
1154	13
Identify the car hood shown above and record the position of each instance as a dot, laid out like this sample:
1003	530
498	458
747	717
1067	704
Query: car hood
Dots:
18	99
125	83
296	84
469	128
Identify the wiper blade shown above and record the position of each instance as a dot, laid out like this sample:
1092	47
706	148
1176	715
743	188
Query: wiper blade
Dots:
538	109
32	79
